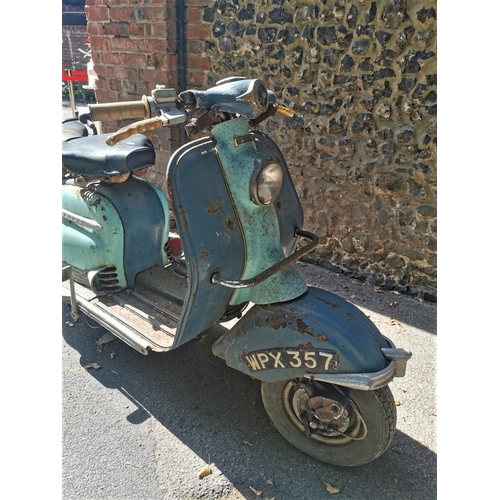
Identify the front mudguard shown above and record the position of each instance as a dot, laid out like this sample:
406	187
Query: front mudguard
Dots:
318	335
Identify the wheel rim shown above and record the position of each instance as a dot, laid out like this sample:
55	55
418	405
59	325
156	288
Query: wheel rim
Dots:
336	422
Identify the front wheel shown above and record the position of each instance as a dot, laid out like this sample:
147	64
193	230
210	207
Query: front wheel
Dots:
333	424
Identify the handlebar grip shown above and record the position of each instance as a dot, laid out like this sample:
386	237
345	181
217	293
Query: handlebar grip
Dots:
135	128
120	110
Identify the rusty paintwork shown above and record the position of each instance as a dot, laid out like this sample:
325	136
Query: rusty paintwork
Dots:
202	207
230	224
260	224
309	345
302	327
214	207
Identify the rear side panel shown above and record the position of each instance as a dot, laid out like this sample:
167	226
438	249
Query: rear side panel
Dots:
132	228
87	248
144	213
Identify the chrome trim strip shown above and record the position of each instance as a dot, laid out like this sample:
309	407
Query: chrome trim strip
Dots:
81	221
399	356
115	326
239	141
359	381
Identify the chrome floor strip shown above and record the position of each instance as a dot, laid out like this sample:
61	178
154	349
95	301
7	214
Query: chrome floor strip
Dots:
142	315
154	306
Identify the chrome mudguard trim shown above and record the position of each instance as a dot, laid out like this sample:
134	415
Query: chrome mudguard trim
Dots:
359	381
370	381
400	358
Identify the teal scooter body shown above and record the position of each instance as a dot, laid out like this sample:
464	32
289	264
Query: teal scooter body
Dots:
324	366
104	236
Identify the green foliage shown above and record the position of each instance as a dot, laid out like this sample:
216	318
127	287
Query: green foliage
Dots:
81	94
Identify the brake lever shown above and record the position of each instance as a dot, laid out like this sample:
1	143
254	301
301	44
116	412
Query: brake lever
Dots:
167	118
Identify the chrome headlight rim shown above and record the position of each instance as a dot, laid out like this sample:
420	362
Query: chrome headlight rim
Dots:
257	96
266	184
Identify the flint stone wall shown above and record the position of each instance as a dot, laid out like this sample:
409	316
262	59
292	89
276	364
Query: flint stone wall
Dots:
362	77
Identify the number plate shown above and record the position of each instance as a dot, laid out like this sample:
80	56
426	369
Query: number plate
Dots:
312	360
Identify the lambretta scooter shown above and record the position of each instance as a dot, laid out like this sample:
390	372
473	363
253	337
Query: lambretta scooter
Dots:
323	365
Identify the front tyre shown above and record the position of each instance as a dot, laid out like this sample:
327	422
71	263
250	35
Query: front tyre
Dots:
333	424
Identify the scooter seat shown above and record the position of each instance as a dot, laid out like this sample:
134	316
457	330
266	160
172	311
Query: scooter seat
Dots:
91	156
73	129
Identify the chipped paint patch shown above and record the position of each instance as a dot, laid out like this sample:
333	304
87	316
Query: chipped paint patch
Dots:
305	346
303	328
276	324
214	207
229	224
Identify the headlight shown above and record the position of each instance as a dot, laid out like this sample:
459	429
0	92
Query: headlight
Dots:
256	95
267	186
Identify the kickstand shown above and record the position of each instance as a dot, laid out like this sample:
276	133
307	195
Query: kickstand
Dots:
67	274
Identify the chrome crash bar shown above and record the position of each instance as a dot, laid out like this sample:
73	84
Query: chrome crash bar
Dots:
274	268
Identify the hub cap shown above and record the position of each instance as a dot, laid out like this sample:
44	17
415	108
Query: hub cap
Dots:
323	413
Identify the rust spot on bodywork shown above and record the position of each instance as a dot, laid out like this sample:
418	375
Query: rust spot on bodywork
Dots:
276	324
322	337
305	346
96	203
302	327
229	223
214	207
335	306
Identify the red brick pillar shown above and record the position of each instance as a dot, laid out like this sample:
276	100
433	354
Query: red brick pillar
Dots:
133	45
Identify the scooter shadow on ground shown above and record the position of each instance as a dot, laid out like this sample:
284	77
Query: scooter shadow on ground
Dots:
190	389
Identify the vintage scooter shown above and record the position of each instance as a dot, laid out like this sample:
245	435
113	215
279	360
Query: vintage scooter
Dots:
324	366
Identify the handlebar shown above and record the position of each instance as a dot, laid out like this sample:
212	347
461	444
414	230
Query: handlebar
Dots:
120	110
235	96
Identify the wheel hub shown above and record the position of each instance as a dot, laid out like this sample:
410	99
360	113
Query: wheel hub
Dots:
324	416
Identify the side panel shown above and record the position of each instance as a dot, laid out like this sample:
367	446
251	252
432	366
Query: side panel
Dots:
317	333
210	234
87	249
145	221
135	224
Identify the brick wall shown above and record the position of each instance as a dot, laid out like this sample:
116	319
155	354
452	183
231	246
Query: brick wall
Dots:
362	76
